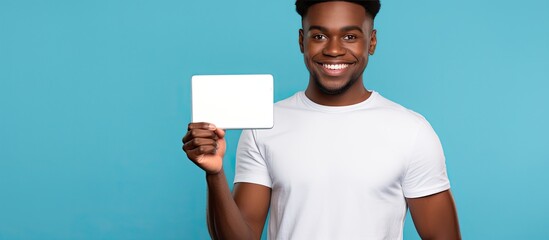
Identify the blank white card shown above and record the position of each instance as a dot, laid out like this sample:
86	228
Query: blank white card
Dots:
233	101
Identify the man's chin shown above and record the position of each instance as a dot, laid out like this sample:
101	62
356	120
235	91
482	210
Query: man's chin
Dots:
332	90
331	86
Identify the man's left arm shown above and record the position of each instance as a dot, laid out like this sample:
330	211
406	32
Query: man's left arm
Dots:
435	216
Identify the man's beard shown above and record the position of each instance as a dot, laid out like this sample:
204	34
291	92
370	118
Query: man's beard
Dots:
336	91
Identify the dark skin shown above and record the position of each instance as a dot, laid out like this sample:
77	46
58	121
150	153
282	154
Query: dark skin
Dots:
241	215
336	41
337	33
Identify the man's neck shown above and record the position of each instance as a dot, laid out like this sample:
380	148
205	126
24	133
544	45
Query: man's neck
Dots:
351	96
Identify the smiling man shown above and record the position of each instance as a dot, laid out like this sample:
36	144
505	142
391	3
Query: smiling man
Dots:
336	40
341	162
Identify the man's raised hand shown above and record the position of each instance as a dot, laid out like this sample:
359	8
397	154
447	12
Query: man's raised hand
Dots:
205	145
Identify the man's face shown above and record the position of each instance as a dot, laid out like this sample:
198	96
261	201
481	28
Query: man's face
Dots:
335	41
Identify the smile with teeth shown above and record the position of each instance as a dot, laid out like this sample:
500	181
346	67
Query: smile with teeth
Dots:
335	66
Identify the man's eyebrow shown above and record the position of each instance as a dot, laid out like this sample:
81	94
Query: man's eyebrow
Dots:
344	29
351	28
320	28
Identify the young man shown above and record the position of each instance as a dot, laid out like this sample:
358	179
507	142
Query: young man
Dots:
341	162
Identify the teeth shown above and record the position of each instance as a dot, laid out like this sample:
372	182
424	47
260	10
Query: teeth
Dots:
335	66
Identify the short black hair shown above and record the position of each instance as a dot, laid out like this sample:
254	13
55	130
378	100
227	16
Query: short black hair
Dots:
371	6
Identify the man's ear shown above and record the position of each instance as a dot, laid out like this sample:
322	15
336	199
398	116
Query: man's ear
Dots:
373	43
301	40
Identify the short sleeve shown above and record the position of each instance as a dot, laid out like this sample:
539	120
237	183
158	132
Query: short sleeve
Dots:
426	172
250	164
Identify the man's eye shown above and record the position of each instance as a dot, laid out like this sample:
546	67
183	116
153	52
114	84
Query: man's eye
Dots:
319	37
349	37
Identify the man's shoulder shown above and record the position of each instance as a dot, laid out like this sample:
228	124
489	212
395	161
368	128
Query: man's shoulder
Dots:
391	106
290	101
293	104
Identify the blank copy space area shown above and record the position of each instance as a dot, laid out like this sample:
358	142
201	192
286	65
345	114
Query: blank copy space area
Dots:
233	101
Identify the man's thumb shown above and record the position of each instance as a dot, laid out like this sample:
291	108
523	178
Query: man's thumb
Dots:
220	132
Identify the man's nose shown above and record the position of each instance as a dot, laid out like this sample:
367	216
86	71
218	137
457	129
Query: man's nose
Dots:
334	48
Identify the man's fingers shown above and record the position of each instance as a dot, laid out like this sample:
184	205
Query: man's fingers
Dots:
199	133
186	138
201	125
199	151
197	142
201	139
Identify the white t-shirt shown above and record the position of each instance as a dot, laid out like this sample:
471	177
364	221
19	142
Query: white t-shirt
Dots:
342	172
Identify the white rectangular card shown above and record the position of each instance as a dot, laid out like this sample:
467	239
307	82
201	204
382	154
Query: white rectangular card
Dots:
233	101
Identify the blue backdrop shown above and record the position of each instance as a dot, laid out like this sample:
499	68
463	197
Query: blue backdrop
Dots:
94	99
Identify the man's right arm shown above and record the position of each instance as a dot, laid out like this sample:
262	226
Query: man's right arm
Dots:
240	216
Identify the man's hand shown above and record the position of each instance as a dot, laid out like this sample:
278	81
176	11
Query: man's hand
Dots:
205	145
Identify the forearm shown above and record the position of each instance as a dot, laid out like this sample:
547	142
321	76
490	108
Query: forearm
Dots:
224	218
